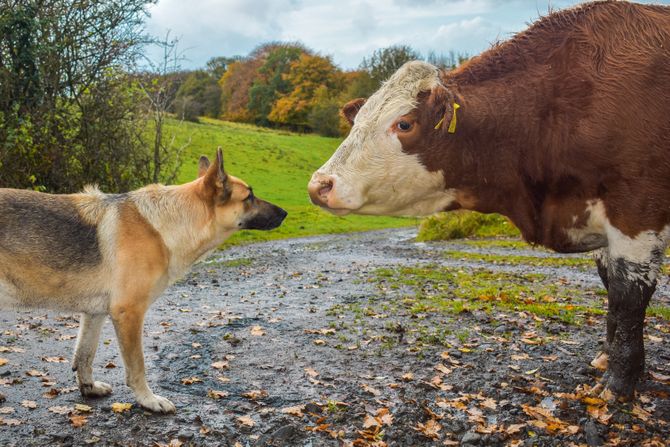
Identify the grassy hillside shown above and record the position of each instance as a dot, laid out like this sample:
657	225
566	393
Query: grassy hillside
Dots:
277	165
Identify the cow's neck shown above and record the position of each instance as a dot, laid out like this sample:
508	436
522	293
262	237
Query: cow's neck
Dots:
490	138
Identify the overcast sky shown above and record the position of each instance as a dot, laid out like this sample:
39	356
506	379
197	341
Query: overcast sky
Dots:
346	30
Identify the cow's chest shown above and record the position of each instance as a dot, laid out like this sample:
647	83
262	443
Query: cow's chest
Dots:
574	226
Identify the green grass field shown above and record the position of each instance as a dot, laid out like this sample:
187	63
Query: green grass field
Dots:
278	165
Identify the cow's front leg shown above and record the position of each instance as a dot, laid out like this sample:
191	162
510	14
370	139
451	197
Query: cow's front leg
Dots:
602	359
630	286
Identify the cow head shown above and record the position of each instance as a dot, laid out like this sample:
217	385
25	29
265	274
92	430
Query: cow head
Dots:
379	168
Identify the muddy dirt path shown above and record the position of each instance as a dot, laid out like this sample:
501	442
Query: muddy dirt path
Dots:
362	339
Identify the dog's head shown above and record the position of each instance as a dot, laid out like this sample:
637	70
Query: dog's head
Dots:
234	203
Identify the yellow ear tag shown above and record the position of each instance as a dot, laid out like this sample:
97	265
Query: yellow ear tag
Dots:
452	124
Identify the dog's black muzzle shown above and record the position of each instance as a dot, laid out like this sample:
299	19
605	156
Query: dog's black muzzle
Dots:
267	217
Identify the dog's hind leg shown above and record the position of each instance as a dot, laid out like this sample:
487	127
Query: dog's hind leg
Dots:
128	321
87	344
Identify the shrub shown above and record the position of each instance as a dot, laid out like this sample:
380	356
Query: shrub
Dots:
462	224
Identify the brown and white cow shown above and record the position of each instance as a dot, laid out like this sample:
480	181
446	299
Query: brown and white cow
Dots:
565	129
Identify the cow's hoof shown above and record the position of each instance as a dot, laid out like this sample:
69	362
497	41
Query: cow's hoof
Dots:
601	361
617	390
156	403
95	389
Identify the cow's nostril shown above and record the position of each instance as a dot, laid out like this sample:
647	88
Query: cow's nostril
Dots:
325	188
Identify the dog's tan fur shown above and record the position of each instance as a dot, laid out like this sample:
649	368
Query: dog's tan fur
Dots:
143	241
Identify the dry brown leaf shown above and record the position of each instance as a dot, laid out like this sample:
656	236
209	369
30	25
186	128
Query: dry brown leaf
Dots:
660	377
110	365
35	373
191	380
82	408
368	389
430	429
54	359
53	392
408	377
371	421
257	331
220	365
11	349
3	361
61	410
78	420
514	428
216	395
294	411
246	421
10	422
120	407
255	394
443	369
640	413
6	410
319	342
385	416
311	372
29	404
489	403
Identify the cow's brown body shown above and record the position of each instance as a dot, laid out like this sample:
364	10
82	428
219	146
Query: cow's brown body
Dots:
565	129
575	108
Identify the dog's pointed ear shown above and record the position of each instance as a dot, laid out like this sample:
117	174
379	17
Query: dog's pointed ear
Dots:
216	179
350	109
203	165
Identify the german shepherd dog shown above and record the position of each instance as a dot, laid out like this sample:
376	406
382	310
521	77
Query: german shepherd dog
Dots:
114	254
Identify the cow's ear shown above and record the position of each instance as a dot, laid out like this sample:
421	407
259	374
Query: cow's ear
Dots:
440	108
350	109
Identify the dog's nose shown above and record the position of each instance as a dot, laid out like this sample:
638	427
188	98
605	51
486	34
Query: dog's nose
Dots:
319	188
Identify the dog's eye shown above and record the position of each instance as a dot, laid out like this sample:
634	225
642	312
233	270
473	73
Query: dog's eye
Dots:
403	126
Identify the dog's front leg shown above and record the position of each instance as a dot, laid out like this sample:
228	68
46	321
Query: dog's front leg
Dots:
128	321
84	353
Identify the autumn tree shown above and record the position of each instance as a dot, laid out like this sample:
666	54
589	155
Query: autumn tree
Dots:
385	61
235	85
312	78
271	81
68	110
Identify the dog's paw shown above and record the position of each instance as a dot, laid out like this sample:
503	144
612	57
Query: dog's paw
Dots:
156	403
95	389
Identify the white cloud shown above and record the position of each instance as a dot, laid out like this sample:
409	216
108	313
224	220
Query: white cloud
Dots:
348	30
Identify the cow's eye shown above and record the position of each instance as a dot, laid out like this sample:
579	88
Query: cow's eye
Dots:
403	126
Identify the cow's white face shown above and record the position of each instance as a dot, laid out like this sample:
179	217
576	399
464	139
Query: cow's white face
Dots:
370	173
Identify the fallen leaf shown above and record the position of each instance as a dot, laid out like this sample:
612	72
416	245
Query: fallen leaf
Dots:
371	390
55	359
640	413
3	361
489	403
442	368
257	331
430	429
371	421
294	411
220	365
514	428
10	421
311	372
119	407
29	404
660	377
53	392
110	365
319	342
216	395
82	408
35	373
60	410
11	349
255	394
191	380
246	420
408	377
6	410
78	420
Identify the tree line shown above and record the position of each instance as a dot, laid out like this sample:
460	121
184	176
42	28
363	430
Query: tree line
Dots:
80	102
282	84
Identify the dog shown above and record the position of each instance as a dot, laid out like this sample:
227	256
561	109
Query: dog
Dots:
113	254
